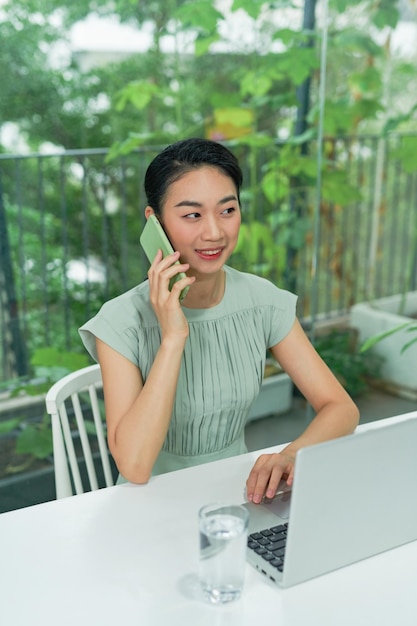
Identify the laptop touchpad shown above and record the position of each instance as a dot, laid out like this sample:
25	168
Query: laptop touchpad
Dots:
270	513
280	505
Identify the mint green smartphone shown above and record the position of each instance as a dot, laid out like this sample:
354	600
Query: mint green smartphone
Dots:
152	239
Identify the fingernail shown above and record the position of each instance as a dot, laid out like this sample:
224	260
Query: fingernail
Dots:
270	493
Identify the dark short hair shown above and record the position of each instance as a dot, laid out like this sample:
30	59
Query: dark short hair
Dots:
182	157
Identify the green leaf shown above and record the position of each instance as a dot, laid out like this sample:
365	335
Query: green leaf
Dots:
365	82
366	108
139	93
275	185
408	345
251	7
35	441
51	358
38	388
9	425
257	140
256	241
372	341
338	119
199	15
296	64
337	189
386	15
352	40
307	135
287	36
342	5
406	153
394	122
90	427
122	148
203	43
254	84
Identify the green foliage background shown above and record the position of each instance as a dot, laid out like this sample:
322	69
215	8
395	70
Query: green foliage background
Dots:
152	98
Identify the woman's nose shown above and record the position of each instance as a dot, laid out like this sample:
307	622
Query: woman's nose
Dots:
212	230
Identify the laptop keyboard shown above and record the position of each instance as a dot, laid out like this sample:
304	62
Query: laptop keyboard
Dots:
270	544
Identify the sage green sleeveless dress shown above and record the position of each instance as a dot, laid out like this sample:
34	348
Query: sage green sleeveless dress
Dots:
222	365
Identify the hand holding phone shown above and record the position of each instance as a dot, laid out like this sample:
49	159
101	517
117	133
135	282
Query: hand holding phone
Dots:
154	238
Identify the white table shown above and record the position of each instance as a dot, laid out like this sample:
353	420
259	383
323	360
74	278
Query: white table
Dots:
129	555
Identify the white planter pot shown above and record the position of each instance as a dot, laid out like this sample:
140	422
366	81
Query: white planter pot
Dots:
398	371
274	398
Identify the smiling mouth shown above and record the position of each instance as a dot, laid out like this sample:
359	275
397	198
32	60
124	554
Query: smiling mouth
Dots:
213	253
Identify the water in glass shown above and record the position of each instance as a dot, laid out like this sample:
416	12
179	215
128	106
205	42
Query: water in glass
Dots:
223	538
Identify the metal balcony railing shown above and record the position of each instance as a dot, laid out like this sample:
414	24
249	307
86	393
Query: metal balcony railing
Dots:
70	226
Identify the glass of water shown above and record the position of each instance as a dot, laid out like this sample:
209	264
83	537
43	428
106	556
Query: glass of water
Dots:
223	541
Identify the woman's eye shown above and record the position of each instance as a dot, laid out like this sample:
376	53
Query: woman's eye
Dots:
192	215
229	211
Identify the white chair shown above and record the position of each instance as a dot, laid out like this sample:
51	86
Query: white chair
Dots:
77	392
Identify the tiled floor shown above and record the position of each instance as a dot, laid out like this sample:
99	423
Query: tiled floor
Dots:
286	427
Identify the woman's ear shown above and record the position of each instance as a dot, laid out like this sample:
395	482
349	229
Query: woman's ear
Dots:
149	211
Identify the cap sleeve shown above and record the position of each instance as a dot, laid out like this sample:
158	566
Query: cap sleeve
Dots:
100	327
282	314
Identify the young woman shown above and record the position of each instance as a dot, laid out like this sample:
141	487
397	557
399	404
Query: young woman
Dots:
180	377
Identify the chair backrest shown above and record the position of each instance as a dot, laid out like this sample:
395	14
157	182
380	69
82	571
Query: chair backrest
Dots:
76	394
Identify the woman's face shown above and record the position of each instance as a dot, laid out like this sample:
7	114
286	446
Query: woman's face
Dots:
201	215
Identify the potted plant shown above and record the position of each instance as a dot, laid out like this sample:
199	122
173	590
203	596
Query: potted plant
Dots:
391	333
340	350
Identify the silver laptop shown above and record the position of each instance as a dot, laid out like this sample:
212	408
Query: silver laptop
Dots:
352	498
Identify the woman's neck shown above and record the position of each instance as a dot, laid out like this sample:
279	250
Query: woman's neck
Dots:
206	292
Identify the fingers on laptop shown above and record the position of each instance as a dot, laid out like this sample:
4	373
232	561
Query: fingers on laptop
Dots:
265	476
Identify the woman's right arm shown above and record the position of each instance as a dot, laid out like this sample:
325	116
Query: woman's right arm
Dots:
138	414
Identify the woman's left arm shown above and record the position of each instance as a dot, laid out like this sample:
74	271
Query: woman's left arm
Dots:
336	413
